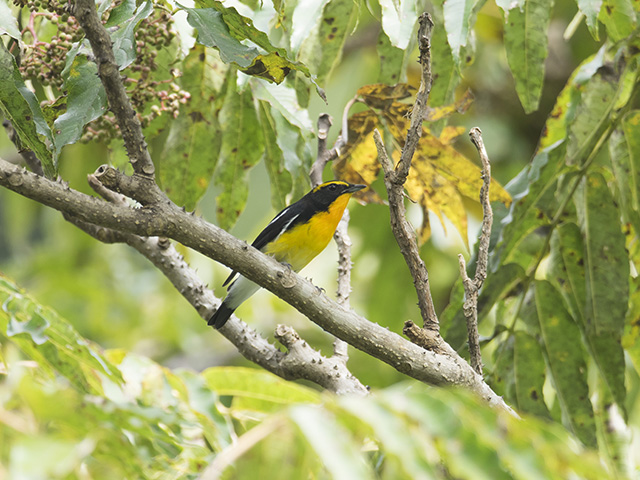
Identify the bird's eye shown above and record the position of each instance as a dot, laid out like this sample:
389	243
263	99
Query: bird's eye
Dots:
333	187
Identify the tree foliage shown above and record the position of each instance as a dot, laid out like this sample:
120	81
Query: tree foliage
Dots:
224	89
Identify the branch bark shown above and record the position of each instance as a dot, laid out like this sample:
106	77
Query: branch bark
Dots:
394	179
472	286
167	220
109	73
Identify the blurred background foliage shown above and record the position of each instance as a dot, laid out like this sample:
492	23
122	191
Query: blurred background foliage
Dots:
113	297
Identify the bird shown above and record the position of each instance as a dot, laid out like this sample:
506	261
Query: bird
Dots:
294	237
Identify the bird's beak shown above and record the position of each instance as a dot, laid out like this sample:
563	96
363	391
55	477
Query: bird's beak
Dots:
354	188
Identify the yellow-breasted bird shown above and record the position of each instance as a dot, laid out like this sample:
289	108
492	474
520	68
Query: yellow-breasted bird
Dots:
295	236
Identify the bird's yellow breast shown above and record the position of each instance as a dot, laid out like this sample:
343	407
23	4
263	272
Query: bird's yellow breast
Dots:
304	242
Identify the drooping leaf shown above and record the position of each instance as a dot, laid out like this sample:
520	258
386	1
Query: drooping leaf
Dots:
86	101
8	23
191	152
214	32
560	338
567	266
590	9
502	376
279	177
20	106
242	147
564	110
398	21
597	100
459	18
445	72
618	17
393	61
529	373
525	40
624	150
224	28
338	18
606	259
534	204
124	42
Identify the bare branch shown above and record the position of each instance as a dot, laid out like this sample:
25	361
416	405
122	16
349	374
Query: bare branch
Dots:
406	239
167	220
87	16
420	105
473	286
394	180
341	237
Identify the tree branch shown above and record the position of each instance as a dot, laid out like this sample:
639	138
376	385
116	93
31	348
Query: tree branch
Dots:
472	286
394	180
109	73
165	219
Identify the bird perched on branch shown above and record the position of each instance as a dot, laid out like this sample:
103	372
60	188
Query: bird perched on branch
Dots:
294	237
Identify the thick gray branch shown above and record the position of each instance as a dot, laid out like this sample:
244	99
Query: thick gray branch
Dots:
169	221
87	16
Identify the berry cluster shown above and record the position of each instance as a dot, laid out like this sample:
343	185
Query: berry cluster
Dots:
152	88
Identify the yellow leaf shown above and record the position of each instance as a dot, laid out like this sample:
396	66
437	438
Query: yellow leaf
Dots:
449	133
460	106
381	96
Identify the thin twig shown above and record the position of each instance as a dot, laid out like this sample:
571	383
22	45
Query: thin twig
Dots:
341	237
109	73
472	286
394	181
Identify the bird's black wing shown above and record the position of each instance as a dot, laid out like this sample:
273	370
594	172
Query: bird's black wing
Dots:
288	217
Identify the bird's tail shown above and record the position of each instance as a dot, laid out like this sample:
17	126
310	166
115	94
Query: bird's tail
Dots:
221	316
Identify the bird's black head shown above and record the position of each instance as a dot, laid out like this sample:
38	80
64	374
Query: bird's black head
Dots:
325	194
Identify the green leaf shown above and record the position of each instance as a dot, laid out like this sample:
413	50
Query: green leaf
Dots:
529	373
48	339
619	18
590	9
399	20
304	20
606	259
565	358
214	32
597	101
280	178
224	28
567	271
124	42
338	19
191	152
255	389
446	77
564	110
242	147
502	376
624	150
566	267
459	18
8	23
525	40
21	107
534	203
332	443
86	101
121	13
393	61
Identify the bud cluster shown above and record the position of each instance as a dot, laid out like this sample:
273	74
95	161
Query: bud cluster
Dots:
51	32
